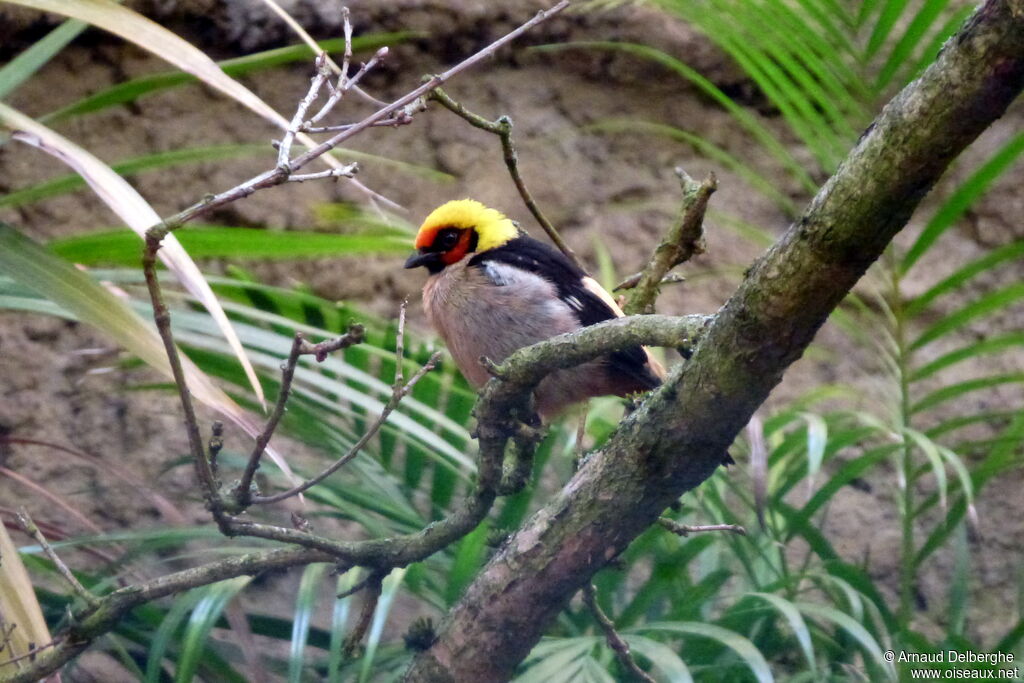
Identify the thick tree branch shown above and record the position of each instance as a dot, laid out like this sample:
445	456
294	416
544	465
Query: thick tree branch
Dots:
677	438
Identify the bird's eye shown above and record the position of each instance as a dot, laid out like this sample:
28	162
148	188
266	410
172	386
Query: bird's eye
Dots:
447	239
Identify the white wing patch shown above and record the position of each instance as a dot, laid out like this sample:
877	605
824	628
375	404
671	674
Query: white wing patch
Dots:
501	274
573	302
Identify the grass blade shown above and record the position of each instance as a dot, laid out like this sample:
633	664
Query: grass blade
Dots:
132	90
78	294
991	345
952	391
21	68
339	617
305	605
855	629
991	302
387	598
72	182
923	20
662	657
1009	252
121	247
129	205
965	194
204	615
796	623
18	606
746	650
746	120
151	37
887	20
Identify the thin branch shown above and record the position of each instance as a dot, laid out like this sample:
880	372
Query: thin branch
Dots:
502	127
685	530
402	118
360	585
243	492
684	240
614	640
279	175
373	587
344	85
528	366
347	56
284	150
162	317
30	528
30	654
347	171
399	390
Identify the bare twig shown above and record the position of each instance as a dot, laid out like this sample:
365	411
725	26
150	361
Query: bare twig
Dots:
284	150
502	127
280	174
347	56
30	654
371	596
32	530
614	640
322	349
402	118
684	239
347	171
243	493
162	317
360	585
345	84
685	530
399	390
634	279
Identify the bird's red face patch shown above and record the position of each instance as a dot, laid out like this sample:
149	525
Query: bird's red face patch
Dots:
451	243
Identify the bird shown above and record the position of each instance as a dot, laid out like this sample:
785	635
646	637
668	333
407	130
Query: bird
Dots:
492	289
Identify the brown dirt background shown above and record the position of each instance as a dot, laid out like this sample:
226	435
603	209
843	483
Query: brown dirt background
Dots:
620	188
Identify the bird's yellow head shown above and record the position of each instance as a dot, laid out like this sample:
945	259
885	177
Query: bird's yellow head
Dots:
456	229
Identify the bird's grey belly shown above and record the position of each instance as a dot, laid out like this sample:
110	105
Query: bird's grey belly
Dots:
495	324
477	318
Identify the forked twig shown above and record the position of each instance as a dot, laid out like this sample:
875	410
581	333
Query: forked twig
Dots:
285	148
243	491
399	390
280	173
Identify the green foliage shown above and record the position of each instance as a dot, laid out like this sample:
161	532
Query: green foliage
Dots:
779	603
824	69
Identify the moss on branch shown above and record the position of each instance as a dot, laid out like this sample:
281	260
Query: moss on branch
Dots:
676	439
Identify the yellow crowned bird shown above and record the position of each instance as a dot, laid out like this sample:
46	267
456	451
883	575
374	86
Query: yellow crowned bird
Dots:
493	289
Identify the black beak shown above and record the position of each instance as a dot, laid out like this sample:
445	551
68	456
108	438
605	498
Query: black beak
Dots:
430	259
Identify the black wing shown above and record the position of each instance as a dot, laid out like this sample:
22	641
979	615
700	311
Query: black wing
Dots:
570	283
